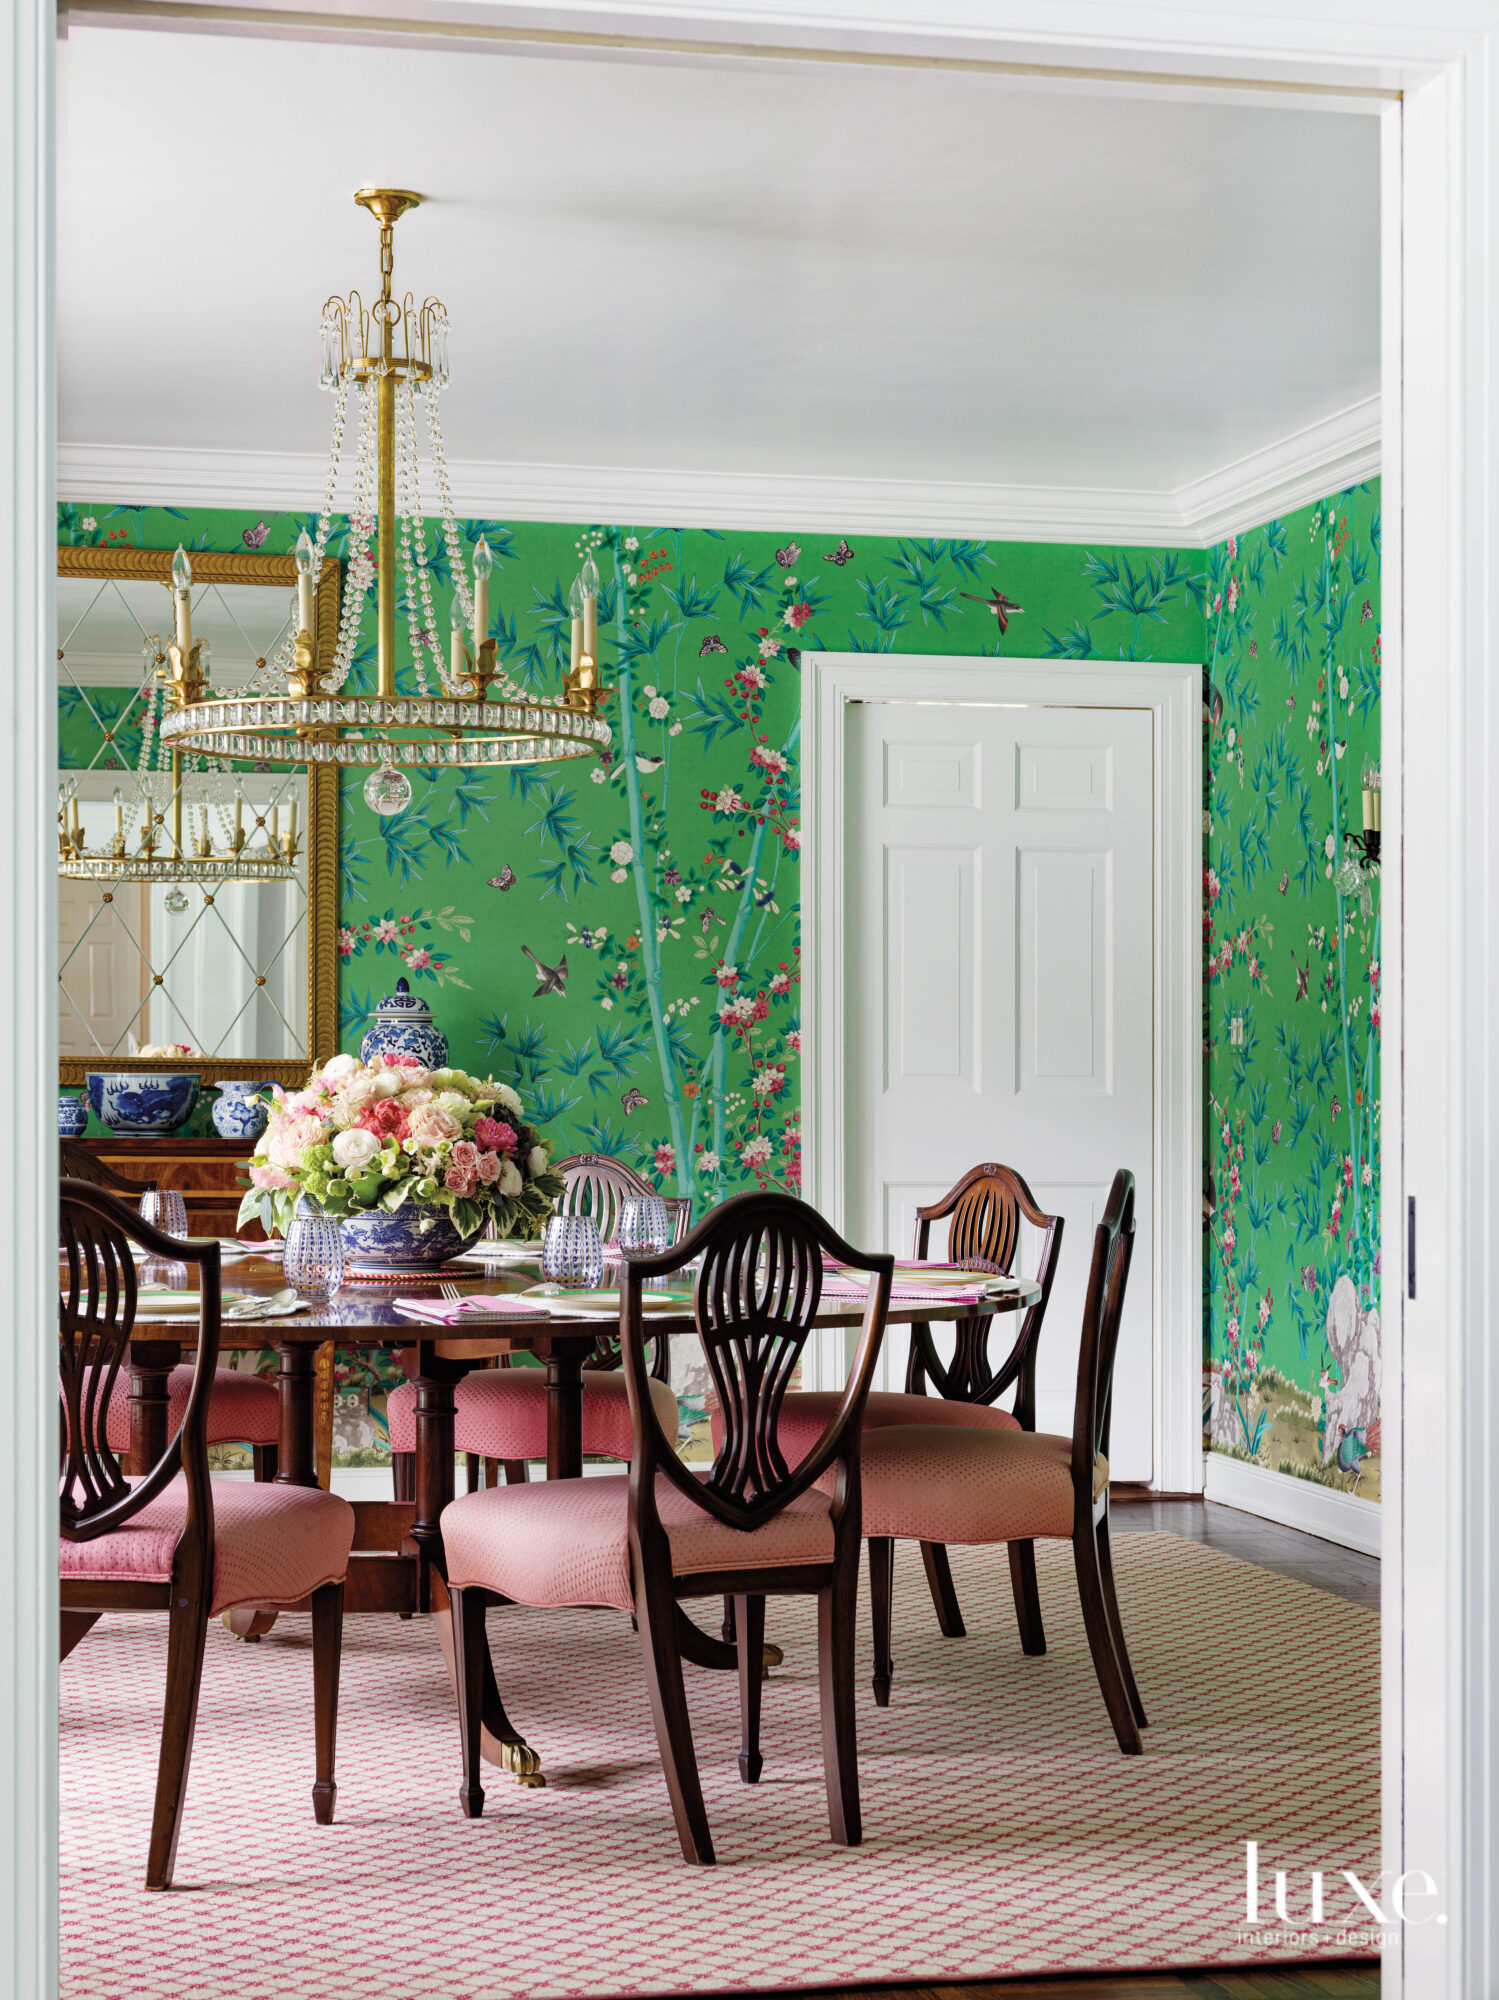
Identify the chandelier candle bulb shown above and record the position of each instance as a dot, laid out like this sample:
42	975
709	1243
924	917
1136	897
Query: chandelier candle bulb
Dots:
483	564
182	583
1371	799
239	815
575	604
119	812
305	582
291	833
589	586
457	657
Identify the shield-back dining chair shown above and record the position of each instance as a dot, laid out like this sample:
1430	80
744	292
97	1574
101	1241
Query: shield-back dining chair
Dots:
174	1540
954	1484
242	1409
642	1542
984	1212
501	1413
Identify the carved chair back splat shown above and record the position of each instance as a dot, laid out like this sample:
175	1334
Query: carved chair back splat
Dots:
79	1164
987	1207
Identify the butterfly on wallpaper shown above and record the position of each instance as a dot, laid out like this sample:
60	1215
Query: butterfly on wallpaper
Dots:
1367	613
1004	608
553	977
842	554
634	1100
712	644
788	555
1303	976
1335	1107
504	880
1254	649
1285	880
1275	1130
253	537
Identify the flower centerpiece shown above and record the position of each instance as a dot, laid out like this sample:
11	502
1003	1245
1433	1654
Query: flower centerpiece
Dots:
413	1162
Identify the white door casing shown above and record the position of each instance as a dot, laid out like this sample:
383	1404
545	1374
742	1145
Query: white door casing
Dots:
1171	1197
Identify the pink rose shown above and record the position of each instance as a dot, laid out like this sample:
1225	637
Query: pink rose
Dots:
465	1156
432	1126
460	1182
488	1168
386	1120
495	1135
289	1138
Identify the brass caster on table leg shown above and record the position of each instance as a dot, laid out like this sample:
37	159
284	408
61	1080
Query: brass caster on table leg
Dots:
523	1763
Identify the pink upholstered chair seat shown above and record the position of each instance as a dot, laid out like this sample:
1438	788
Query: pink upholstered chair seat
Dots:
805	1416
958	1483
567	1542
242	1409
502	1413
272	1544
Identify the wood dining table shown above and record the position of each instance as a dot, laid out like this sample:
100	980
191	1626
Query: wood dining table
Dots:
397	1562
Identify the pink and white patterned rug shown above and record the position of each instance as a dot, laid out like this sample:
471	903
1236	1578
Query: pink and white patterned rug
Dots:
1004	1834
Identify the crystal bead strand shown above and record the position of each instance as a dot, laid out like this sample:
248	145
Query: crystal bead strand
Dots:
361	565
506	688
407	485
280	662
445	677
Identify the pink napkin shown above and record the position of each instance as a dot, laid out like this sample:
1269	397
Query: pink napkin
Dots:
474	1305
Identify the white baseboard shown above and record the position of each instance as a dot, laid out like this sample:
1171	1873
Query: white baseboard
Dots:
1295	1503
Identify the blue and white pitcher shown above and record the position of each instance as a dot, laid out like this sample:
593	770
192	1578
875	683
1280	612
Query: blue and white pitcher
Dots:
239	1113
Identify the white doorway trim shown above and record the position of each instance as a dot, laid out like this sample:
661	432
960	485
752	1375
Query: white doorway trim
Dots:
1173	694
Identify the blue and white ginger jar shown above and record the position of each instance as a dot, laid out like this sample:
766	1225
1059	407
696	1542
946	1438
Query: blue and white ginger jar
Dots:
72	1117
238	1112
404	1026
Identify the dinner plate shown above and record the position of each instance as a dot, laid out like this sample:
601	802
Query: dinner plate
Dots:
607	1301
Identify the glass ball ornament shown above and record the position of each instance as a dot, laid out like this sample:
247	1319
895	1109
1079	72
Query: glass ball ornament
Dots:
175	901
387	790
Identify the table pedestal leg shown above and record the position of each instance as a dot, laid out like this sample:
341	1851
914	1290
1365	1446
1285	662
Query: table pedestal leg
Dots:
151	1362
296	1463
565	1416
434	1382
500	1743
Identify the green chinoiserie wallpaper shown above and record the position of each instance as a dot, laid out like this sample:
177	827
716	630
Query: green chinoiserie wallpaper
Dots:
621	940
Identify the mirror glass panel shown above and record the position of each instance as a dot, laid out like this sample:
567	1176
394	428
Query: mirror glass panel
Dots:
209	960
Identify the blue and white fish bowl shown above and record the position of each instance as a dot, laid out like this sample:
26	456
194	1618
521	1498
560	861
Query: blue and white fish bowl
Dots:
238	1112
404	1026
381	1243
72	1117
141	1100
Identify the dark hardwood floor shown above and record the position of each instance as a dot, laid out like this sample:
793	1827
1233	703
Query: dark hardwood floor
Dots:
1286	1552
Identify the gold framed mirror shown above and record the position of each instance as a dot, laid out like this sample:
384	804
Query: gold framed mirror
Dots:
238	961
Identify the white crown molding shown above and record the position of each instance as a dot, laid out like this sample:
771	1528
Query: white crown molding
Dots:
1321	459
1295	1503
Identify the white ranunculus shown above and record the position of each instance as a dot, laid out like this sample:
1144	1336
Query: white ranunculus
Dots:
510	1181
354	1149
506	1096
453	1102
338	1067
536	1161
388	1083
360	1094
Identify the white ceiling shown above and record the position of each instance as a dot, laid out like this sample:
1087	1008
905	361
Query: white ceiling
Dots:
728	268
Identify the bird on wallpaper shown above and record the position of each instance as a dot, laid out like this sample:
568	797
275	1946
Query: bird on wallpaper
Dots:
1004	608
1303	976
712	644
634	1100
1212	705
1275	1132
253	537
553	977
1351	1449
1285	880
504	880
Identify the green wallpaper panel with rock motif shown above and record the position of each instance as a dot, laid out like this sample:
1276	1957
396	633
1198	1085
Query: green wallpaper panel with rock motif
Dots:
620	939
1291	1262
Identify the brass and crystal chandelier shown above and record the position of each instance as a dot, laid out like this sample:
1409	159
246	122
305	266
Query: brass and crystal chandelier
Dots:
184	820
467	711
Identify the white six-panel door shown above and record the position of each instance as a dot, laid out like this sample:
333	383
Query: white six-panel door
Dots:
999	992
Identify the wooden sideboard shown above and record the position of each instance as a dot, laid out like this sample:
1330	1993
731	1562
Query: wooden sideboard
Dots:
205	1172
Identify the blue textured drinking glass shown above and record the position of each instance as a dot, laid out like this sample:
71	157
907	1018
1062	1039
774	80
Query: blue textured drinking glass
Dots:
314	1261
165	1209
571	1253
644	1223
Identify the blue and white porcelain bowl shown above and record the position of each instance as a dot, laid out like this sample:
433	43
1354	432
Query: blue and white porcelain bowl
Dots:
72	1117
403	1026
141	1100
238	1113
381	1244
